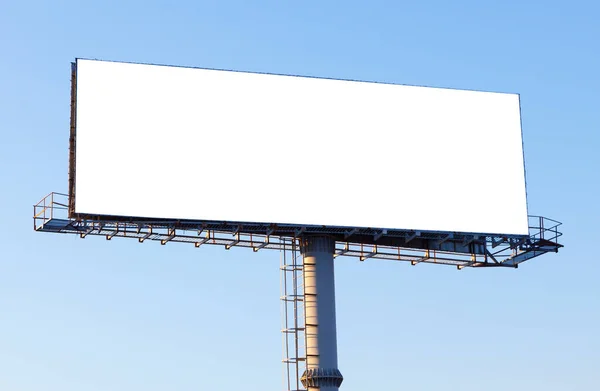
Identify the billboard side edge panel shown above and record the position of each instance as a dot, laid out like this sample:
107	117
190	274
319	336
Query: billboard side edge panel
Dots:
72	140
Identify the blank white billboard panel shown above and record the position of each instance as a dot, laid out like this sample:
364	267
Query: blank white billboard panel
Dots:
197	144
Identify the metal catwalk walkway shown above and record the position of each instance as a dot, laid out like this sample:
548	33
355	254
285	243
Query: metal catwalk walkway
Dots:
455	249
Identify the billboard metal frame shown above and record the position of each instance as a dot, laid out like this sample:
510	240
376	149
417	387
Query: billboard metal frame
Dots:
460	249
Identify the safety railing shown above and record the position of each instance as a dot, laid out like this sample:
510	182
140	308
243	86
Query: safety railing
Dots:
48	207
543	228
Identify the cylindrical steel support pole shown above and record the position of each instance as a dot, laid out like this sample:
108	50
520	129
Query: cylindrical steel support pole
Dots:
321	372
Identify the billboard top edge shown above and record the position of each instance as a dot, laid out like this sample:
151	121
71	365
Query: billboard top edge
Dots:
77	59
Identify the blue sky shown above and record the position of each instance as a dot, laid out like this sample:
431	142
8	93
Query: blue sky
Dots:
110	316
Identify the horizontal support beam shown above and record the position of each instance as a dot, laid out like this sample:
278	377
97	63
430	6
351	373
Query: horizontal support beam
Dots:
233	243
146	236
425	258
201	242
262	245
171	236
369	255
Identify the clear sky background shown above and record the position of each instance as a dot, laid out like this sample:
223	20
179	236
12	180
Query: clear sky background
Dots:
113	316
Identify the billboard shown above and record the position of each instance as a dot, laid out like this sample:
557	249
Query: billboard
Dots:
151	141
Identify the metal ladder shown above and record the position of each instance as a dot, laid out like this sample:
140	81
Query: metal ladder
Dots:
292	312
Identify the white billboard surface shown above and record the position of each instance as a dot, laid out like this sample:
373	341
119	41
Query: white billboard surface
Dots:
197	144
